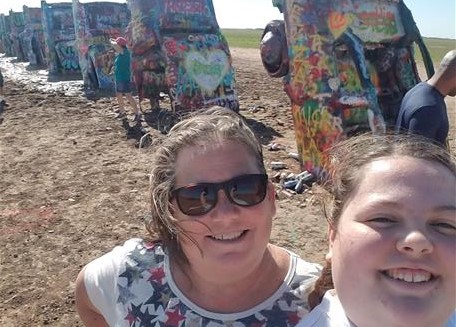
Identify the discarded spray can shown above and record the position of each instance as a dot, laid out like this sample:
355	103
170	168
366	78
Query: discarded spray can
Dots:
290	184
300	186
291	176
277	165
305	176
293	155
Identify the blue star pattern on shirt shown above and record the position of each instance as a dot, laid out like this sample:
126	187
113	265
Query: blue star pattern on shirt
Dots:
125	295
131	273
149	301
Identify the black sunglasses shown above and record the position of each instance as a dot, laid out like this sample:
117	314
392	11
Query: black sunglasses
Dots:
198	199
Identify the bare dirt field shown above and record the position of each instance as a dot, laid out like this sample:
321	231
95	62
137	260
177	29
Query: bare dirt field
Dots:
73	184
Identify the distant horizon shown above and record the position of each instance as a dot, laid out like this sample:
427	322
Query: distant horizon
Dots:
261	28
255	14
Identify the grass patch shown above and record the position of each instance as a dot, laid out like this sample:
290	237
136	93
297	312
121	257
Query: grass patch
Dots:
250	38
243	38
437	48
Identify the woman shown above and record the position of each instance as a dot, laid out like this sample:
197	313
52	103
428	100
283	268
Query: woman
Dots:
392	244
122	74
212	206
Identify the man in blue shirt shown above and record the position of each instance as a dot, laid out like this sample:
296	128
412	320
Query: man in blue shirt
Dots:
423	110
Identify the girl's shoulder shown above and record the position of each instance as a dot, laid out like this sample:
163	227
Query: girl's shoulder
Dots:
329	313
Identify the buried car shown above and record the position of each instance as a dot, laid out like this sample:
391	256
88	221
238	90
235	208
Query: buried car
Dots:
345	66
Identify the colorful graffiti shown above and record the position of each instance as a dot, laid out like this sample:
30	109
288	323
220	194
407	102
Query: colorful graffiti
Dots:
32	37
96	23
348	65
59	37
178	49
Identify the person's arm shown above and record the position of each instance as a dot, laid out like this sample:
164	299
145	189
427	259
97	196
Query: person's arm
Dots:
87	312
424	122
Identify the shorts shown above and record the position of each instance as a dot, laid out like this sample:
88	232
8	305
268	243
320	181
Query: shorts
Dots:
123	87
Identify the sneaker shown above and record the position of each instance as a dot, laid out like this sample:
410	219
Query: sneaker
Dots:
121	115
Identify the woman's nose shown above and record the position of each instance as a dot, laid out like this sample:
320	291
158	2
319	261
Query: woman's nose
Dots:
415	243
224	206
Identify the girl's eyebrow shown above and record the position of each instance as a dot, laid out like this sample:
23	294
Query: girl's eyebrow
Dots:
389	203
451	207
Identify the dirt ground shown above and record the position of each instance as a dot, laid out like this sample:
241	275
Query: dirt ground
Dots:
73	184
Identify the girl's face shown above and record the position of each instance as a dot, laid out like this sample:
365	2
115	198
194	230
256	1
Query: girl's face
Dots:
231	239
394	252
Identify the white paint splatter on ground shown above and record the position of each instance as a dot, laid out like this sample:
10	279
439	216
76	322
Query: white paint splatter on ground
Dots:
39	79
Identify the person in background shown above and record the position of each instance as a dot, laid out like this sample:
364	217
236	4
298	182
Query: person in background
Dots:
212	264
122	74
391	210
423	110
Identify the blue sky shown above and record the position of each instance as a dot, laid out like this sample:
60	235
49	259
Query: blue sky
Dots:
435	18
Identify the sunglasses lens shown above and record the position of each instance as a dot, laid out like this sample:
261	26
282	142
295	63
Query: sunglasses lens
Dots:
196	200
248	190
244	191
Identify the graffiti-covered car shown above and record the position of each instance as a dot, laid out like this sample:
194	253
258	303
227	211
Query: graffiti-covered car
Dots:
33	36
5	35
59	38
178	49
17	25
345	65
96	23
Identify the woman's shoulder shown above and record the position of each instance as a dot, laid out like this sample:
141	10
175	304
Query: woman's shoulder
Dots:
301	277
133	252
123	274
303	268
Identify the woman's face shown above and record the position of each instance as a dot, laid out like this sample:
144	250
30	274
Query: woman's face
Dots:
394	252
231	239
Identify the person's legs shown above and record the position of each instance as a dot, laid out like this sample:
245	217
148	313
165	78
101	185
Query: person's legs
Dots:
120	101
124	89
132	102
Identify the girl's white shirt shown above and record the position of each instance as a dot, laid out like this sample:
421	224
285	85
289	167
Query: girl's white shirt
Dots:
330	313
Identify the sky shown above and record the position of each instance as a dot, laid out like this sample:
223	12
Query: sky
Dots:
435	18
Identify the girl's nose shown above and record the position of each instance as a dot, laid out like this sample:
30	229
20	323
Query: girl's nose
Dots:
415	243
